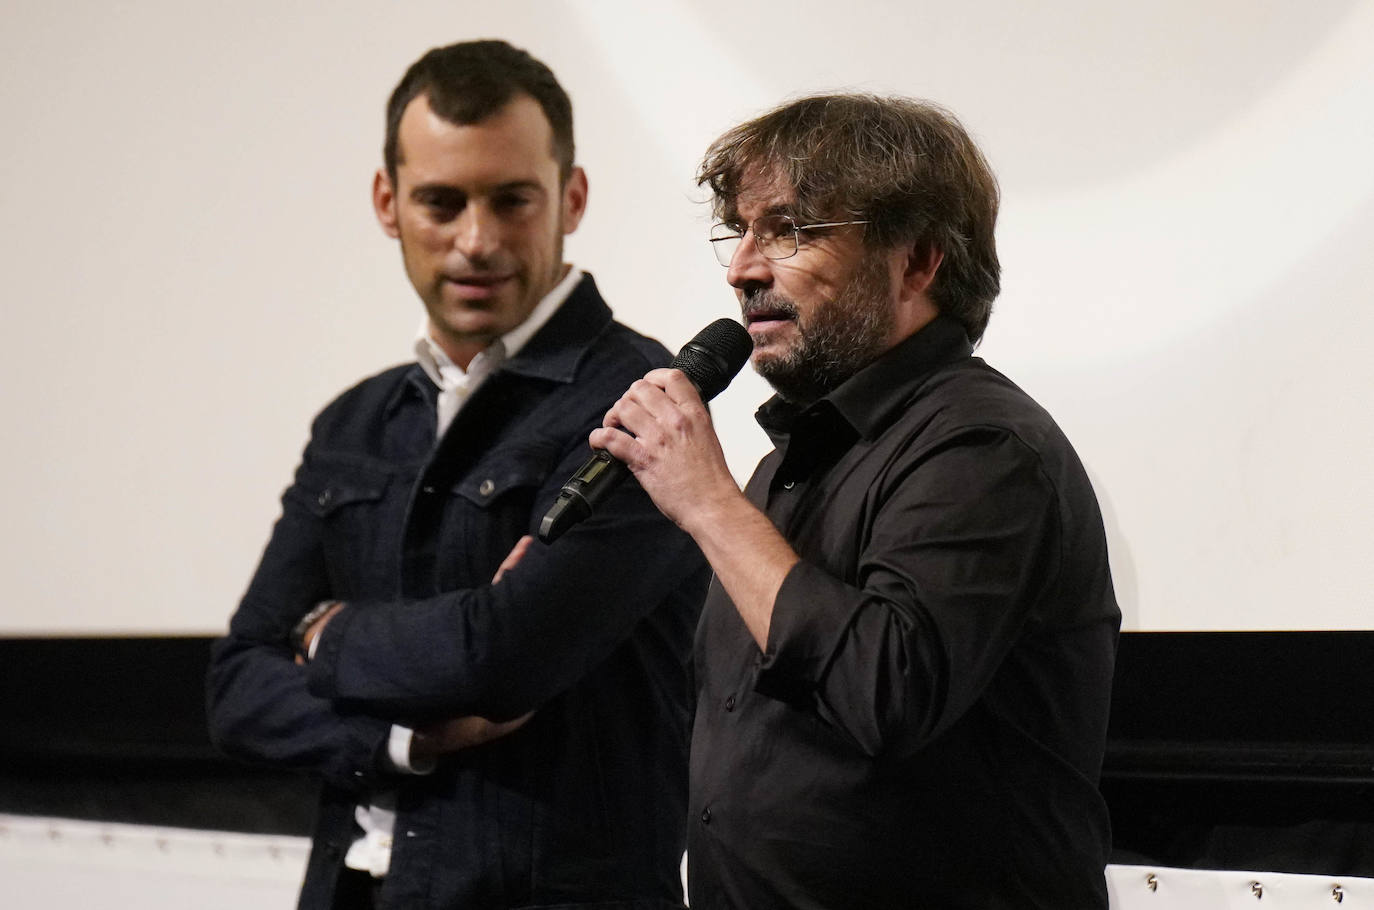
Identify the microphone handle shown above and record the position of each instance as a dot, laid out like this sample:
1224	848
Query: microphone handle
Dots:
583	492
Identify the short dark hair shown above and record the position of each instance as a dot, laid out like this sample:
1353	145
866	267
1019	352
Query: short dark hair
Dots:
468	82
908	167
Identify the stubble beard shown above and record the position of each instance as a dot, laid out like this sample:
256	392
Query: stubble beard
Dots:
840	337
529	295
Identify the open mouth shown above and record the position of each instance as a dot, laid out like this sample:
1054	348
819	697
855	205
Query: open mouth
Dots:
763	318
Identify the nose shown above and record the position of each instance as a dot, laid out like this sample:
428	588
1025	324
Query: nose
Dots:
749	267
478	233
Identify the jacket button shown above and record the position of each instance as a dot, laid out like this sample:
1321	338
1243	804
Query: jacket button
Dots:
730	703
486	487
706	816
789	485
324	498
428	489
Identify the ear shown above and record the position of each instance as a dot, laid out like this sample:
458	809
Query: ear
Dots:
384	203
915	269
922	262
574	199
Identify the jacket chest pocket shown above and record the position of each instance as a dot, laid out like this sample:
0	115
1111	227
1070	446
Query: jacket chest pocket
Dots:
495	504
358	518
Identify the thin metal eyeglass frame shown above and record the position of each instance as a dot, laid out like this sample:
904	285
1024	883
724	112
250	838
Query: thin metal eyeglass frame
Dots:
736	239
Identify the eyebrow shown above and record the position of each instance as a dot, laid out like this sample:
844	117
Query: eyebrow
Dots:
777	208
441	188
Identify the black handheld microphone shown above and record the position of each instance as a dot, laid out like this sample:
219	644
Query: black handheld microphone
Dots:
710	360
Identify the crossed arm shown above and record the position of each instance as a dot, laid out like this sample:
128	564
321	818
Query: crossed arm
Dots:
430	742
441	663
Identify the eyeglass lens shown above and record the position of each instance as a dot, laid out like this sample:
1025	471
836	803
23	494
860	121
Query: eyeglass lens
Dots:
774	235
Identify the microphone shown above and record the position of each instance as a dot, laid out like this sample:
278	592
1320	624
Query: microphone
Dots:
710	360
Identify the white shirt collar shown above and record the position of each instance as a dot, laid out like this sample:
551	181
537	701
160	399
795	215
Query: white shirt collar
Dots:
444	373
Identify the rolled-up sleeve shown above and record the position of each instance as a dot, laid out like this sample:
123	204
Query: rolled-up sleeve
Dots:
959	547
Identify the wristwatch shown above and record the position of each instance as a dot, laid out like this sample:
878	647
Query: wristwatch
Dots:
311	617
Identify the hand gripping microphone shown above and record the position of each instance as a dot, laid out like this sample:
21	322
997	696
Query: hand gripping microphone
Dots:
710	360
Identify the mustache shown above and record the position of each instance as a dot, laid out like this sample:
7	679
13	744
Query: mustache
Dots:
766	301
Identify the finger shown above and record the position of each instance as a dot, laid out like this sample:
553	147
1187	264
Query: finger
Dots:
650	396
615	416
660	376
621	445
680	389
510	726
516	554
643	390
632	414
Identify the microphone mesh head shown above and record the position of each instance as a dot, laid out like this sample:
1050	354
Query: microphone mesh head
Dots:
713	357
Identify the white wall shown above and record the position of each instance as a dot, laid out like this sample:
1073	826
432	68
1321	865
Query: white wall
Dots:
191	268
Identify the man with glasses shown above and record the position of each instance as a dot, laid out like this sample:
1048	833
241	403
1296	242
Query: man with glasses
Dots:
905	659
497	723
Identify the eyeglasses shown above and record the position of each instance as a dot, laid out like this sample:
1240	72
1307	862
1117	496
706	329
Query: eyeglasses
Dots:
774	235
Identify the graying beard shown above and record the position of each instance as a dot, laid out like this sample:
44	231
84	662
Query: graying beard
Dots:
846	335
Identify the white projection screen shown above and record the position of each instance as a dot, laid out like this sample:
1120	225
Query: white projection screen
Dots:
191	267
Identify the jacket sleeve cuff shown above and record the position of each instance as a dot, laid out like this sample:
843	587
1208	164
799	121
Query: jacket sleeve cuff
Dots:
325	652
357	762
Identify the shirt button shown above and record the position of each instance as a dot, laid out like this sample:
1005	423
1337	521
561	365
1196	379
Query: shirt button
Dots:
706	816
486	487
730	703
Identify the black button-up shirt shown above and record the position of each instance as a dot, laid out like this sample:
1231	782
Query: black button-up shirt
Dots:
926	726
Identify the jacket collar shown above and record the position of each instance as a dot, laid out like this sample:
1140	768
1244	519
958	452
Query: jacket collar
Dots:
557	349
553	353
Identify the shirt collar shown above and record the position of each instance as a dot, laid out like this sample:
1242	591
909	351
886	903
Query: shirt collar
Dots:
443	372
872	397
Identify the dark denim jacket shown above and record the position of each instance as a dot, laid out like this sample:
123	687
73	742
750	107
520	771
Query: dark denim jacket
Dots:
585	804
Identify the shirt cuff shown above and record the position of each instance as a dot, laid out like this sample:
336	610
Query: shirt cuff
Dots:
398	750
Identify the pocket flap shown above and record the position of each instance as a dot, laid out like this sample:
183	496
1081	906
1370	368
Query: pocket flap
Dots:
326	487
505	470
